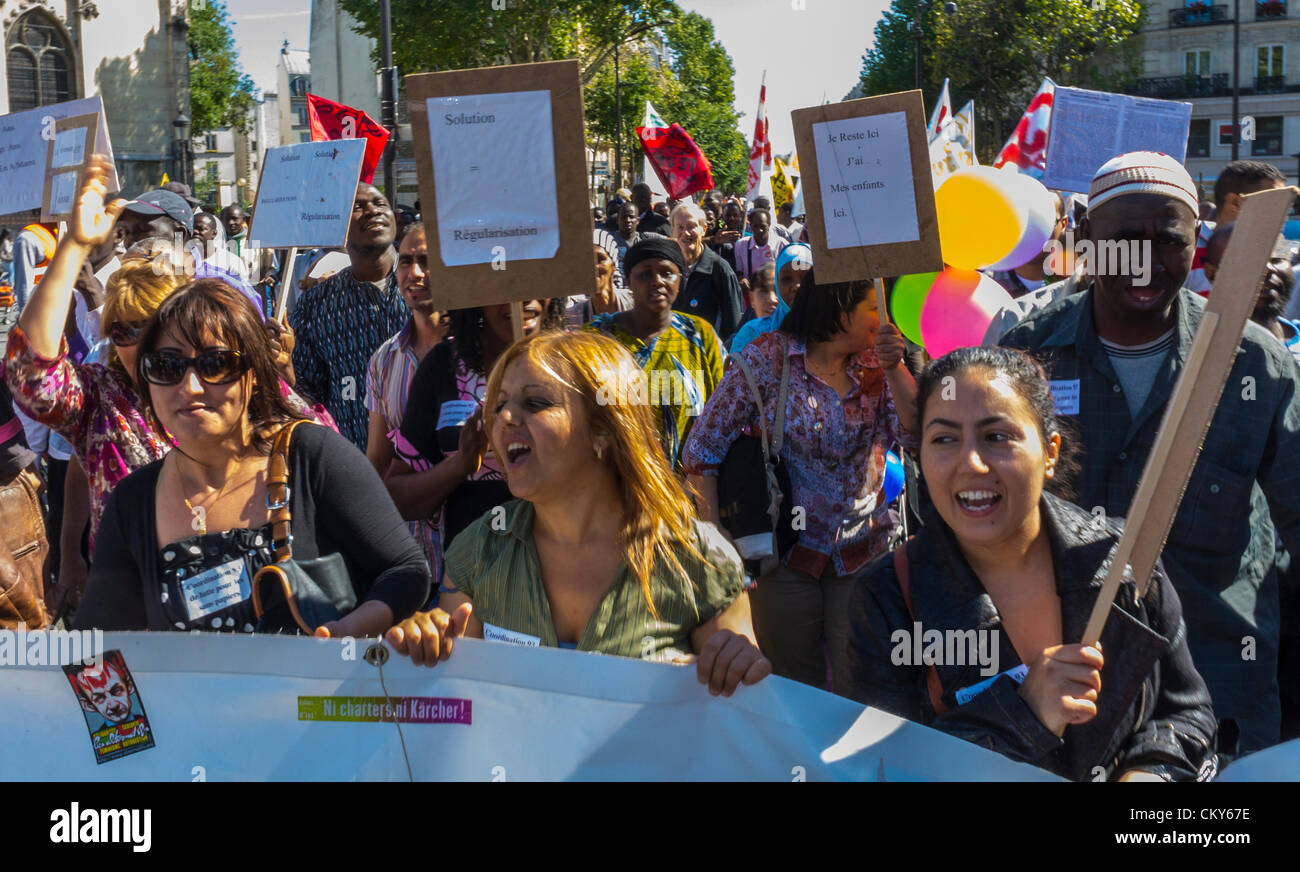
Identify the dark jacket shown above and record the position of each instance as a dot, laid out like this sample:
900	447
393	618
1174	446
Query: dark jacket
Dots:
1154	710
1246	482
713	293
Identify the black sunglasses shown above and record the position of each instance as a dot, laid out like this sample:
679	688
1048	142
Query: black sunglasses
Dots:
216	366
124	334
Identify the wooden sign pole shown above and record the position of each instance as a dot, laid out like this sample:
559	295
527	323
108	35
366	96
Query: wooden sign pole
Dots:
517	319
286	279
1195	398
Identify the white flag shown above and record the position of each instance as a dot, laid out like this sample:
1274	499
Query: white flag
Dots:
651	177
941	115
953	148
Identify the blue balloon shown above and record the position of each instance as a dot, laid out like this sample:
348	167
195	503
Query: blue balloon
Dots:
894	477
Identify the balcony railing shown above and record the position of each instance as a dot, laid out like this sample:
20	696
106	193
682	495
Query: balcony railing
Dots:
1176	87
1270	84
1266	10
1194	16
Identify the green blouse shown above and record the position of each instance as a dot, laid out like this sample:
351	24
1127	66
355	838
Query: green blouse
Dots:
494	562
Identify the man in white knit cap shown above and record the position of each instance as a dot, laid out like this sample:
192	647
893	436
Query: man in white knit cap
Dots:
1113	352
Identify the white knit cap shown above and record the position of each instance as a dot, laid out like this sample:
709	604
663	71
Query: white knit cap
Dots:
1142	172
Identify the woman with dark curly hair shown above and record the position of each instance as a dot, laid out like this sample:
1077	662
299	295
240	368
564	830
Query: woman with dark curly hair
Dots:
442	468
973	626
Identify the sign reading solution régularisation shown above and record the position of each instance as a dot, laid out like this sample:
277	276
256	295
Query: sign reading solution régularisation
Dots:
305	194
494	170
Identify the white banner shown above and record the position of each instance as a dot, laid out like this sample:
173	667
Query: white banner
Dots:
226	707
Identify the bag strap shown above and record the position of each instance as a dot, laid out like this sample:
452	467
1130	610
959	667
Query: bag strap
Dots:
932	683
778	436
277	493
758	398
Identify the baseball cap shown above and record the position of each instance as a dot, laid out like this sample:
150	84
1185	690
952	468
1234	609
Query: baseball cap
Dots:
155	203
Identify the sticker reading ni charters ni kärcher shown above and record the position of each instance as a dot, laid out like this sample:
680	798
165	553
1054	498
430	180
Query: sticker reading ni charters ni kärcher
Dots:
112	707
376	709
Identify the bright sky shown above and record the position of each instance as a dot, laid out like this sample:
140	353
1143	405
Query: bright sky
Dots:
811	49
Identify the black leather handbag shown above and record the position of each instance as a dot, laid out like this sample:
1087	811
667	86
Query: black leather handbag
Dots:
754	495
292	596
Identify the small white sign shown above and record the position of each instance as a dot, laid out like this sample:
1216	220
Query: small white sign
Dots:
494	176
306	193
217	588
24	141
500	634
1065	394
69	148
864	167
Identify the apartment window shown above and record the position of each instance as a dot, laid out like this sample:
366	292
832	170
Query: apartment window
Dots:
211	170
303	121
1198	138
299	86
1268	136
1269	61
210	142
1197	62
304	137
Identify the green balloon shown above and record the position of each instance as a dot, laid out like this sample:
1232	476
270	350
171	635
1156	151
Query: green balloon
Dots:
908	298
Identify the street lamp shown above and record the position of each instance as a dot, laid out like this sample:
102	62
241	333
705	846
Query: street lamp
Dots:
183	146
917	29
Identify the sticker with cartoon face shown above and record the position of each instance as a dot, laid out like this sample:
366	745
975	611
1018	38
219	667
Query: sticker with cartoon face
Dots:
112	707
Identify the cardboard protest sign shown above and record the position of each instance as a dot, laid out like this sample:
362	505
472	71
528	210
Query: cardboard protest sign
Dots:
305	194
24	150
501	156
1091	127
65	165
868	187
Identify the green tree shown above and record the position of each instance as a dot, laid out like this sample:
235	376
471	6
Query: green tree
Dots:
997	52
665	56
221	95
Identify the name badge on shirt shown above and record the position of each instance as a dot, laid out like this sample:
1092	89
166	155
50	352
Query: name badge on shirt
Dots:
1065	394
217	588
510	637
453	413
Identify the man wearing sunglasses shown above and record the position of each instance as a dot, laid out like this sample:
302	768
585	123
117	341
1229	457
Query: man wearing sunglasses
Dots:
340	322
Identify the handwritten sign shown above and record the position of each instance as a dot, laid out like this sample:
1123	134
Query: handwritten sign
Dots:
868	187
24	145
305	194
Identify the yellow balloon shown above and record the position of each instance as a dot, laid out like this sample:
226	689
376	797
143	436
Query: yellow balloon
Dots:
980	220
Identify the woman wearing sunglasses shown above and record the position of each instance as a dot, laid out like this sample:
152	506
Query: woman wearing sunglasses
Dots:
185	535
96	408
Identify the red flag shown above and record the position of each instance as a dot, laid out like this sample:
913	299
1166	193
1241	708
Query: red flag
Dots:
677	160
760	155
330	120
1027	147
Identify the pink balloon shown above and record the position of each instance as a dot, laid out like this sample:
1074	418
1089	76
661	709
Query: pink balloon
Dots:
958	310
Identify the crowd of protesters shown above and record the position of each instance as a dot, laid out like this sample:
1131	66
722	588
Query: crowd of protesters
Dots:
431	476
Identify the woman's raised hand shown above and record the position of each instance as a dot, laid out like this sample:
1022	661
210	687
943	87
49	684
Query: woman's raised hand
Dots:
92	221
1062	685
427	637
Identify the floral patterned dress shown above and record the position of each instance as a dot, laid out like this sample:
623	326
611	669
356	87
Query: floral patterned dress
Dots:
95	408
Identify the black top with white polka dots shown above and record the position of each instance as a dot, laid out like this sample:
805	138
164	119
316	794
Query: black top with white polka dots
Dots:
192	594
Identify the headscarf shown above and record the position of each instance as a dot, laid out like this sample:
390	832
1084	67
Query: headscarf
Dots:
797	253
